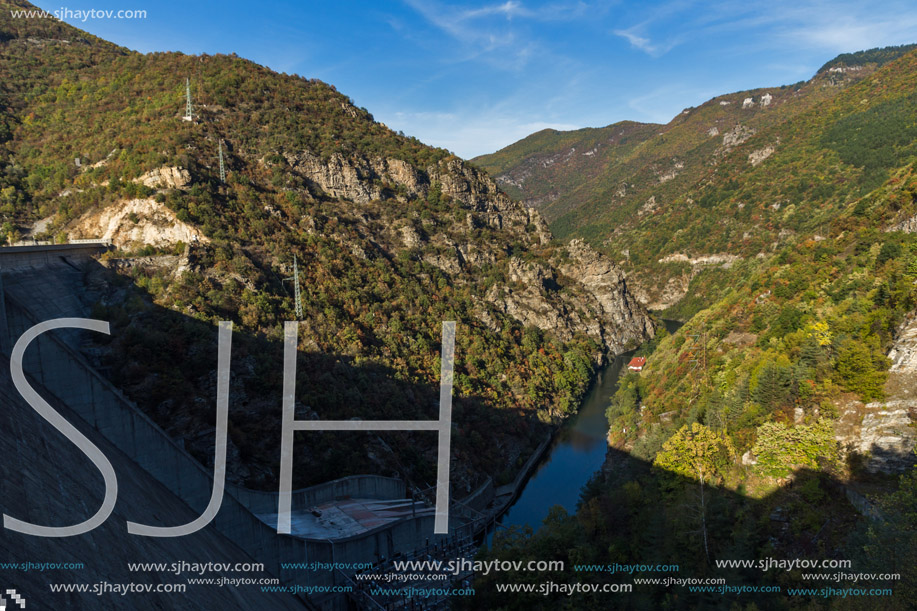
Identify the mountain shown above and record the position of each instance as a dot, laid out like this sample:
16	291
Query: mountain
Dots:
780	225
777	423
727	181
391	237
787	244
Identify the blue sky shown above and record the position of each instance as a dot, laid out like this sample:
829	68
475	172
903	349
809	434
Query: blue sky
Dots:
476	76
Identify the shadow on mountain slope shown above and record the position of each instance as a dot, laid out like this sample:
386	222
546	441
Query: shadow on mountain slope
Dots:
634	513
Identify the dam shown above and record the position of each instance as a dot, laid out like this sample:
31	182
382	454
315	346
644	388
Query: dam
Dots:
360	518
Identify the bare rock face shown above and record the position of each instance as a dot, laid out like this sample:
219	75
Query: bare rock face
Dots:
530	306
903	353
908	225
476	255
338	177
363	180
660	298
726	260
604	284
476	190
737	135
401	173
166	177
451	261
756	157
410	237
594	300
136	222
527	298
656	296
884	431
881	432
358	179
579	292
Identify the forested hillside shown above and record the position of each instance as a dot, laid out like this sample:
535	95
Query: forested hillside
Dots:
392	237
730	180
770	426
778	422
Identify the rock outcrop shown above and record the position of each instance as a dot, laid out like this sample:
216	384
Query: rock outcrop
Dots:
757	156
724	259
605	285
883	432
135	223
657	299
736	136
166	177
476	190
579	292
595	301
357	179
362	180
908	225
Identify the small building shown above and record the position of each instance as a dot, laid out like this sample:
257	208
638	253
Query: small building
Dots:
637	363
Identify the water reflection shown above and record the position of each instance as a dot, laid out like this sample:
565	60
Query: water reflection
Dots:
577	452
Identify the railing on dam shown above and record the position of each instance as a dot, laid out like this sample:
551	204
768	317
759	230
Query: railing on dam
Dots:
30	243
37	254
354	486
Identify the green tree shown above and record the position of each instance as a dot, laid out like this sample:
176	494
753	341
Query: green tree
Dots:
696	452
856	371
889	544
699	453
780	448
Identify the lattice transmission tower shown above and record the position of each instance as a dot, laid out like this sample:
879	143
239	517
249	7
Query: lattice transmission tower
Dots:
188	116
222	167
297	293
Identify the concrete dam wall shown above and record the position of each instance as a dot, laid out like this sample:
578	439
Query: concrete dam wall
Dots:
39	288
46	480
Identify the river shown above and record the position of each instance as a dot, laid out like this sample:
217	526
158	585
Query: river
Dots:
576	453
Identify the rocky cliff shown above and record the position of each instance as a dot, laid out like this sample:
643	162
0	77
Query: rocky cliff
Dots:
596	301
563	291
390	238
883	432
132	224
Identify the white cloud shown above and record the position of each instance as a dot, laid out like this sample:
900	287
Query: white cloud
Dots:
640	42
837	25
509	9
781	40
643	43
847	32
493	32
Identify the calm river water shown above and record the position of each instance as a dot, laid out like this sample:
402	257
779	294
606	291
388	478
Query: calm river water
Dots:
577	452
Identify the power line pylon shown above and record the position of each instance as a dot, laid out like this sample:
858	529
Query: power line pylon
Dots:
188	116
222	168
297	294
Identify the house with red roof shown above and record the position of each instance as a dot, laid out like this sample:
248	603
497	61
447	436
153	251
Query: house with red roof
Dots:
637	363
